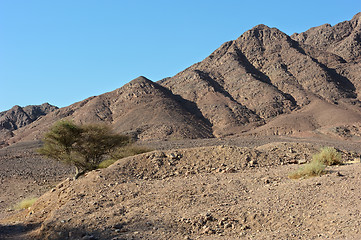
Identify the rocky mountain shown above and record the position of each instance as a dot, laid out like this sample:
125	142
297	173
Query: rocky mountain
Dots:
18	117
279	80
337	47
343	39
140	108
263	83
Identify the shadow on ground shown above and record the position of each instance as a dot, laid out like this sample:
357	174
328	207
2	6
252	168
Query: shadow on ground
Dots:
16	231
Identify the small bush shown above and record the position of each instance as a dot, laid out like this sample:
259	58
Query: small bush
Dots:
123	152
328	156
312	169
26	203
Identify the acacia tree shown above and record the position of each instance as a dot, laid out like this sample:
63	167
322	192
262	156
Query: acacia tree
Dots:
83	146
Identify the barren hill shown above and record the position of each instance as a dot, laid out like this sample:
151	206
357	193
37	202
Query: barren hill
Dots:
263	83
141	108
18	117
270	74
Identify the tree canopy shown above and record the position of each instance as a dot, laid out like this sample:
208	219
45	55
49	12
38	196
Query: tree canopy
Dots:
83	146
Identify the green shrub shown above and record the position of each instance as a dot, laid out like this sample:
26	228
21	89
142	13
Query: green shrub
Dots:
328	156
84	146
123	152
312	169
26	203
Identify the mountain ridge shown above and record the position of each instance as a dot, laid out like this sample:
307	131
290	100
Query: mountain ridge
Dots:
18	117
260	83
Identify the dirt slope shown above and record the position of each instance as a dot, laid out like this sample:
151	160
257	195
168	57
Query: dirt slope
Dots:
317	118
219	192
25	174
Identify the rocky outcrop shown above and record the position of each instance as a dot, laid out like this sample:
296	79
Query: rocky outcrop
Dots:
18	117
343	39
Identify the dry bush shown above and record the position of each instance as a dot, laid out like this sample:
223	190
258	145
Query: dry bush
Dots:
26	203
123	152
328	156
312	169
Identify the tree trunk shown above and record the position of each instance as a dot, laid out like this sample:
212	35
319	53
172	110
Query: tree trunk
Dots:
78	173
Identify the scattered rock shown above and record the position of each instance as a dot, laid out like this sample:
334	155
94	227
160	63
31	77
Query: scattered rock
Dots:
302	161
89	237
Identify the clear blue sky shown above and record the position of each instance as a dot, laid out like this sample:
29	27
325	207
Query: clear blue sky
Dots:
63	51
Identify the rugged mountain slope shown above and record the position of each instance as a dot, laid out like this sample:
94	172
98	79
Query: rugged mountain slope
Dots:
142	108
343	39
18	117
289	67
338	47
269	74
286	85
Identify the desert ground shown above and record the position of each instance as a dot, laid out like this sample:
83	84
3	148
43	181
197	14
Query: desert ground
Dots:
230	188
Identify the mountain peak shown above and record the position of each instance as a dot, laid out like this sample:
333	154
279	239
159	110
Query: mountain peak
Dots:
18	117
16	108
261	27
140	79
357	17
264	34
140	83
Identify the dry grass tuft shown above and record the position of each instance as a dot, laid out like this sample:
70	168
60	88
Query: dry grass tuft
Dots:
26	203
123	152
328	156
312	169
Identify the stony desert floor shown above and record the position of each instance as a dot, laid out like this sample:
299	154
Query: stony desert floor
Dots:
235	188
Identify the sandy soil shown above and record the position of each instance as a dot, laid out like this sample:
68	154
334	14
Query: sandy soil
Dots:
217	189
24	174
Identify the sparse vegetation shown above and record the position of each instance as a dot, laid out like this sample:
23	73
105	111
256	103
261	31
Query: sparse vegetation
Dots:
326	157
26	203
123	152
83	146
312	169
130	150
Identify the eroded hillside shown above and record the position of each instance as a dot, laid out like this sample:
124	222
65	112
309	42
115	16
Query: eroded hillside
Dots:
263	83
